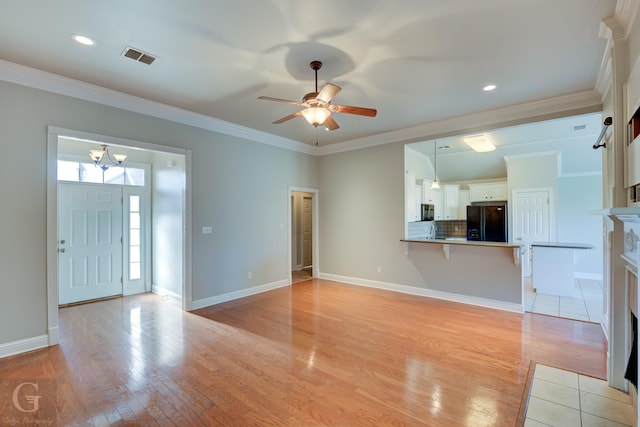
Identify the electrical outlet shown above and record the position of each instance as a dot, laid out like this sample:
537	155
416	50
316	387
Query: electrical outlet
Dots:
379	269
207	229
249	275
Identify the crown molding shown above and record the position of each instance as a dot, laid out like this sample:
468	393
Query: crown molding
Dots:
49	82
626	12
572	104
561	106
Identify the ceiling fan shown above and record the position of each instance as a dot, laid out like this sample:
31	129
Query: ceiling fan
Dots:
318	107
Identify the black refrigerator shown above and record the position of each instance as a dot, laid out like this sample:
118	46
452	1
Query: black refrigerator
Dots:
487	222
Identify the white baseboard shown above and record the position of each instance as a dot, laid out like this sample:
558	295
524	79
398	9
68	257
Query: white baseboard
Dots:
22	346
589	276
206	302
430	293
166	293
54	337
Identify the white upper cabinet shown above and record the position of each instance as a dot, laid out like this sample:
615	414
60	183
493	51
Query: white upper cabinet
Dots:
463	200
451	201
488	191
412	207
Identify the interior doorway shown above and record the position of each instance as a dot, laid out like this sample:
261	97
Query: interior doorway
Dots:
303	241
164	238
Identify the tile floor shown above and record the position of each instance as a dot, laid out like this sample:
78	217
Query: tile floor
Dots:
585	304
564	399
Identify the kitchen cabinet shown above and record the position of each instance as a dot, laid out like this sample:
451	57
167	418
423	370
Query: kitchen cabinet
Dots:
488	191
463	201
412	207
428	193
451	201
438	204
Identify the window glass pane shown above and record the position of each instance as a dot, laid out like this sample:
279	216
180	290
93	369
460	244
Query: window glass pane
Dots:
90	173
134	176
134	203
68	171
134	270
134	220
134	237
114	175
134	254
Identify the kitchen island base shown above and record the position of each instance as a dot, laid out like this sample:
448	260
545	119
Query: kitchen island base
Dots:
472	271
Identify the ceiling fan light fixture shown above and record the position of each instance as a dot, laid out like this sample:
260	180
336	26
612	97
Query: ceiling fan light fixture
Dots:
480	143
316	115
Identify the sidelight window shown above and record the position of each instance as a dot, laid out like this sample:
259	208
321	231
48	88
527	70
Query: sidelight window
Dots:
135	246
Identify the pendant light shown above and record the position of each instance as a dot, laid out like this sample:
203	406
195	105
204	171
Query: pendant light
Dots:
102	158
435	185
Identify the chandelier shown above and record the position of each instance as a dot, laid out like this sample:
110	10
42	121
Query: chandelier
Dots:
102	158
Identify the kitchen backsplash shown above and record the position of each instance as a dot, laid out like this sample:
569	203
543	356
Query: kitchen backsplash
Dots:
451	228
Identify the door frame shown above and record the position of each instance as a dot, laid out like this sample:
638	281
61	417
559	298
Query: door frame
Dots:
53	133
315	257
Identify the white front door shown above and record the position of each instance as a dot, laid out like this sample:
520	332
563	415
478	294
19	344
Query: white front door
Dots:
531	222
89	242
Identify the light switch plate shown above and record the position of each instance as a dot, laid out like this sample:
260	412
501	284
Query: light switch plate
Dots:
207	229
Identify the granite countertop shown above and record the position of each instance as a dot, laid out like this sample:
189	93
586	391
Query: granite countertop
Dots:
465	242
562	245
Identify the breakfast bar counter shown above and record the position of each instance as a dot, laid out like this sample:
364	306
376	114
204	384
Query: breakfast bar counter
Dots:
475	272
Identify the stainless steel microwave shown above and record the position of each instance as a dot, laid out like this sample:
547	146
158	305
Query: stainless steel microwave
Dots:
426	212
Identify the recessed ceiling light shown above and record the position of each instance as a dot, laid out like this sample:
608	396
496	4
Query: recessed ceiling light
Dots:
83	40
489	88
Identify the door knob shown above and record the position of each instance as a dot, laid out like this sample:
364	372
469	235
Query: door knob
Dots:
62	250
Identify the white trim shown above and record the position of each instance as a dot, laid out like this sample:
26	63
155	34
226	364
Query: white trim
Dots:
52	238
187	232
561	106
22	346
38	79
242	293
166	293
52	215
429	293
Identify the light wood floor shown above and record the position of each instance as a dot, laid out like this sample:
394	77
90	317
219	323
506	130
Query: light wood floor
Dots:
317	353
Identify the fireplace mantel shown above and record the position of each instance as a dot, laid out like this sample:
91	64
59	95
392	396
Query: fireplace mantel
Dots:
623	214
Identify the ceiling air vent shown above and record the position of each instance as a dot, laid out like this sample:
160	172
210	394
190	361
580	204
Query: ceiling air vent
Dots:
138	55
579	127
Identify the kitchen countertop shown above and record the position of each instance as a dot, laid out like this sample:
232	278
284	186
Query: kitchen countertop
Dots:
462	241
562	245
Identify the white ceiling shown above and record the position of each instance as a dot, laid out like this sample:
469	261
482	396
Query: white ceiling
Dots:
416	61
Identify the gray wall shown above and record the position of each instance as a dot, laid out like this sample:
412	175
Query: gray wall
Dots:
240	188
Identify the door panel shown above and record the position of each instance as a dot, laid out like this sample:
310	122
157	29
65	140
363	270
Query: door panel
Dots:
532	222
89	241
306	231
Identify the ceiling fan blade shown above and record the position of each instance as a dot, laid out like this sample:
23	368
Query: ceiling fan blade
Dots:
327	92
330	123
360	111
289	117
288	101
